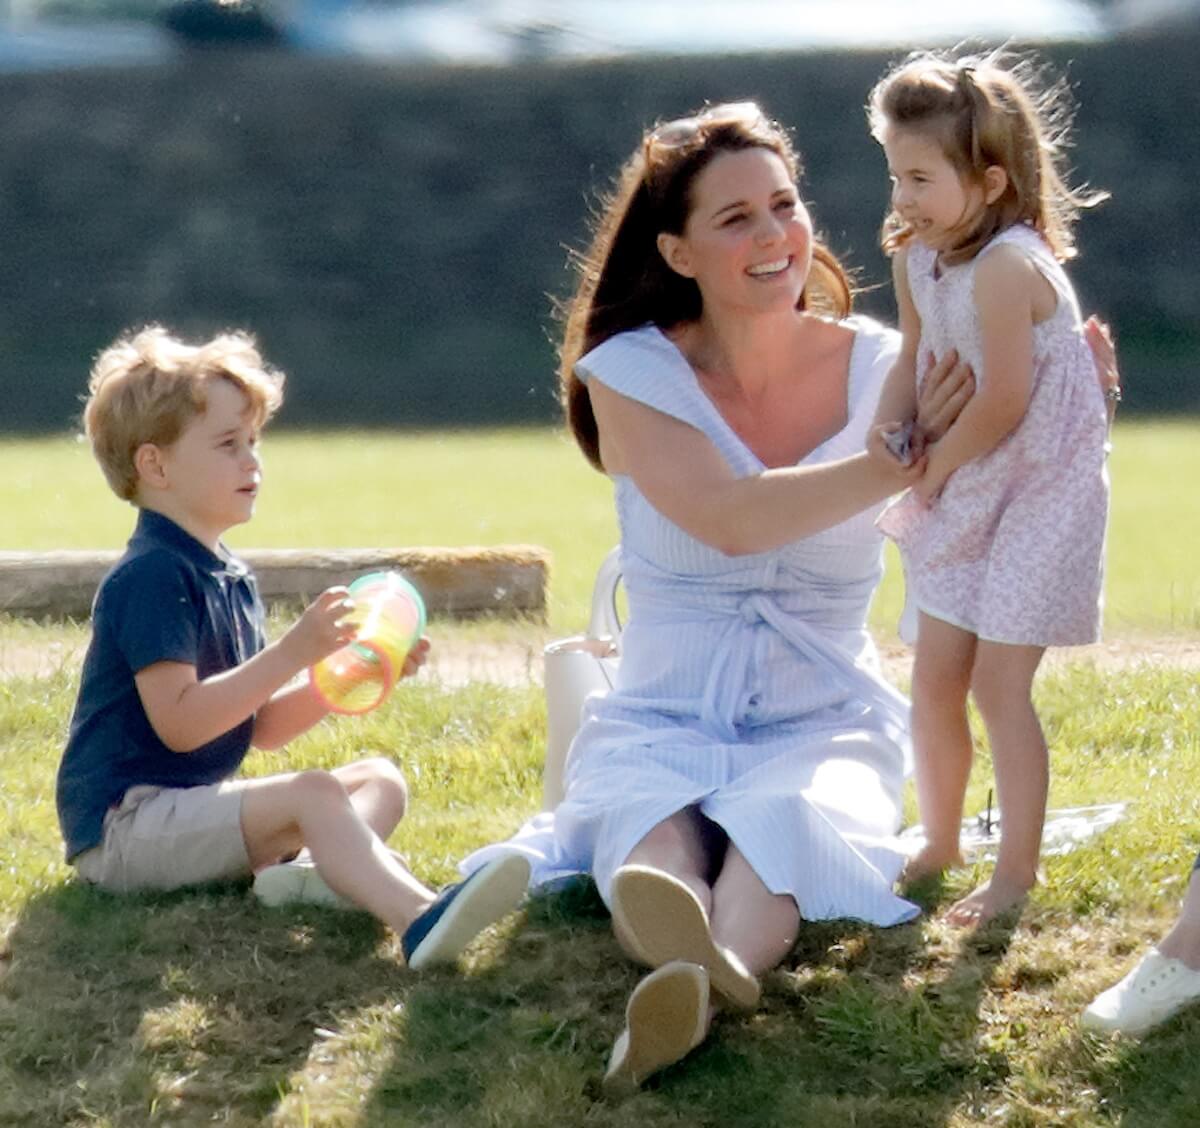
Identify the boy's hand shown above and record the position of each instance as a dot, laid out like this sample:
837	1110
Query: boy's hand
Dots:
324	627
416	657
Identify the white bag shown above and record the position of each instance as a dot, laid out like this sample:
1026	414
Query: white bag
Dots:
576	667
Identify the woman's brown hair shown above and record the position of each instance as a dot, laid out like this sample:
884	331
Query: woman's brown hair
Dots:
624	283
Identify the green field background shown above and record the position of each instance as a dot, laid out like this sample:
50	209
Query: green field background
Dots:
531	486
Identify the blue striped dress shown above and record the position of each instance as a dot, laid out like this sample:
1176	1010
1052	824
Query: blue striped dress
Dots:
748	686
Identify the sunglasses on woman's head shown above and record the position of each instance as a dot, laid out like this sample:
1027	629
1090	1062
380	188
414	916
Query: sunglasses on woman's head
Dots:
681	132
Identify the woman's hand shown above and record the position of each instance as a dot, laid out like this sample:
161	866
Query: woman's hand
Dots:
1099	338
947	387
890	450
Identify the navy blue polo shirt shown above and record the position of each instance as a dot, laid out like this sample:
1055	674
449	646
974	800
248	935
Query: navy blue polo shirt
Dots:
168	599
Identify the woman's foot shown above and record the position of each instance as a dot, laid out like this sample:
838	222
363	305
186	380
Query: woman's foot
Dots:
930	861
1183	943
1151	993
664	921
666	1017
989	901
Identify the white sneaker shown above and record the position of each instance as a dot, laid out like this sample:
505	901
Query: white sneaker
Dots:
1153	991
295	882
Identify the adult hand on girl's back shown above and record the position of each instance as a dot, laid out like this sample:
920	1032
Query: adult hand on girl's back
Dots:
1099	338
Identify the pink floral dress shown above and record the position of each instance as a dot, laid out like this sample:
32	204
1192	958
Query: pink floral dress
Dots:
1013	548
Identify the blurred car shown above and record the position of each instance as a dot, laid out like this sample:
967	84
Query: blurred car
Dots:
506	31
502	31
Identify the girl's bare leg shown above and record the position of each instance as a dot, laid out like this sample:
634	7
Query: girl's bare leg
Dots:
1003	686
942	749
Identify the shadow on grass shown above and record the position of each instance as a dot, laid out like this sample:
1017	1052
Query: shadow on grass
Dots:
861	1025
202	1006
1152	1082
523	1043
885	1022
198	1004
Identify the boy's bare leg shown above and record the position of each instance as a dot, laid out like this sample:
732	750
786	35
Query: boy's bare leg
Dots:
280	814
942	748
377	792
1003	687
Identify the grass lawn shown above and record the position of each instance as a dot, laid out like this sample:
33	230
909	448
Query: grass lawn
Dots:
203	1007
532	486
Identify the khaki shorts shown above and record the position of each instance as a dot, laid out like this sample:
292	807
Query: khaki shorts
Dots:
161	838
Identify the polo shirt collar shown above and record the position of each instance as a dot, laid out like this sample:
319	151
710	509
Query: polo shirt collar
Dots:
155	530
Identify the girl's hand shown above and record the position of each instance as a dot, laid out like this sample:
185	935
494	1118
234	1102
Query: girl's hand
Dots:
932	482
945	390
323	628
416	657
926	490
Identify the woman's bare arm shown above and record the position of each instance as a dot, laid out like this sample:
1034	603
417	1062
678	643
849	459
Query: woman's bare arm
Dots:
683	476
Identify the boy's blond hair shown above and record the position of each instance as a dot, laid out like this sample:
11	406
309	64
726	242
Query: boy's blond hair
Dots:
148	385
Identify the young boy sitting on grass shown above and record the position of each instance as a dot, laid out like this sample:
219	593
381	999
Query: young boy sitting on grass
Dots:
178	680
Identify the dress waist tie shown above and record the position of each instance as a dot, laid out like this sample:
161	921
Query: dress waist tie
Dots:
862	681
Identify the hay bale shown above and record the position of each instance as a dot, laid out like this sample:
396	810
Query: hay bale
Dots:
505	580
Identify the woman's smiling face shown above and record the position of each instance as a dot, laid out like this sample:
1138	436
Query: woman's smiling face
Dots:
748	238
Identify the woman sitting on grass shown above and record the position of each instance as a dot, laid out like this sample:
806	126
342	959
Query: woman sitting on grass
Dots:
746	772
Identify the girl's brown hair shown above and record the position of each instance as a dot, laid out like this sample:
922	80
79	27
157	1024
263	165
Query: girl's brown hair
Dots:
983	112
624	282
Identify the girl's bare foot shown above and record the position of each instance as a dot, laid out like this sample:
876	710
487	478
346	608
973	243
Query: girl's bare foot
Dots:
929	861
988	901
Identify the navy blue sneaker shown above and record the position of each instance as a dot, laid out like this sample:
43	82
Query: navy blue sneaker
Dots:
464	910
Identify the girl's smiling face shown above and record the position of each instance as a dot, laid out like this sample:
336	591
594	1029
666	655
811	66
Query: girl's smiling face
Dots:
928	192
748	238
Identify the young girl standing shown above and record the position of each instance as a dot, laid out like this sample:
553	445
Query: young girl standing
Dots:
1003	537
